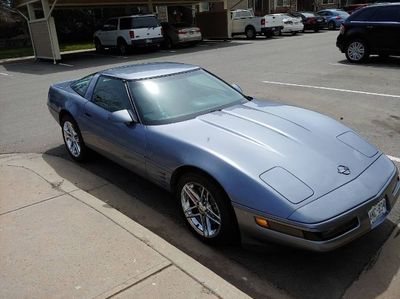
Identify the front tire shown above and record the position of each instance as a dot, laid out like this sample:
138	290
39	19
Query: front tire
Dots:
206	209
99	47
357	51
331	26
73	139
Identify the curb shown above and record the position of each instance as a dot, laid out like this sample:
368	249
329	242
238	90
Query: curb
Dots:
201	274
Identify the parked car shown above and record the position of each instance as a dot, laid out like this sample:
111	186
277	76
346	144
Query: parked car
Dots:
310	20
180	34
244	22
264	170
371	30
333	17
291	24
129	32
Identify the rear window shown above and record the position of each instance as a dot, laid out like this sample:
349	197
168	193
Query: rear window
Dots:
363	14
138	22
181	25
308	14
80	86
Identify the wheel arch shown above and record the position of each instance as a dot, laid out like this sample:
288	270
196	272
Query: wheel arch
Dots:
63	113
184	169
250	26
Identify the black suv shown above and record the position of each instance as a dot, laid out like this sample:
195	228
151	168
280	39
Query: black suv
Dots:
371	30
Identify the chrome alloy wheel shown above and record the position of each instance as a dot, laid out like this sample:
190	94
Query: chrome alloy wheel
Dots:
356	51
201	210
71	138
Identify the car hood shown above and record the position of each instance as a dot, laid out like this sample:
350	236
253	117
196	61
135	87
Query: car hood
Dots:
297	152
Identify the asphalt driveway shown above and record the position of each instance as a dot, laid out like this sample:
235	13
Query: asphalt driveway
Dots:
305	70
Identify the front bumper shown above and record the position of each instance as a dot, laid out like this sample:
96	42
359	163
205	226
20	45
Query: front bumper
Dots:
340	43
323	236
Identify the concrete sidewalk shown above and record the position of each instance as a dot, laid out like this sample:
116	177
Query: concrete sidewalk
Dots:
57	241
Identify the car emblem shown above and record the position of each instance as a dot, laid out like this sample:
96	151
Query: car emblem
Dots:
343	170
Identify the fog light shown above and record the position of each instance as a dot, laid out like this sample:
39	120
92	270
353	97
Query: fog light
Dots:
262	221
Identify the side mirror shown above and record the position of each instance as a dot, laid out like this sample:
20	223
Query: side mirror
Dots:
237	87
123	117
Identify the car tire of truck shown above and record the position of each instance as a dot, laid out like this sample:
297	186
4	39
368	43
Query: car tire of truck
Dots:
99	47
250	32
122	47
268	34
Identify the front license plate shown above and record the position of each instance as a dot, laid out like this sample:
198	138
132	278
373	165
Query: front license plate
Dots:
148	41
377	211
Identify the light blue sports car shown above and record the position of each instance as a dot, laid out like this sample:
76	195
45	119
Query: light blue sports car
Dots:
240	168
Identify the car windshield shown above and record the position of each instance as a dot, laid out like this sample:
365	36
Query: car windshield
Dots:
181	96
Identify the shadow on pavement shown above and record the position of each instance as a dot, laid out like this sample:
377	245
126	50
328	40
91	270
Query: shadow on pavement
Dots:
377	61
300	274
82	60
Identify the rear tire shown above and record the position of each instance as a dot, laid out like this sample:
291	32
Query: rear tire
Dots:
331	26
250	32
357	51
73	140
122	47
206	209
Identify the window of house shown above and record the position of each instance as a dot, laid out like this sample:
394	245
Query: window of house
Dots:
281	3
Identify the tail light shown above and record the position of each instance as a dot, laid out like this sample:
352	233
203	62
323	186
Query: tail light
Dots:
342	29
262	22
338	17
180	31
197	30
131	34
311	20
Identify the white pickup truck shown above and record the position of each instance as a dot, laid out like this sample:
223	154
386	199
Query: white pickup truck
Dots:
244	22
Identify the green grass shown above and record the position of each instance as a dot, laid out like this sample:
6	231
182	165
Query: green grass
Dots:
27	51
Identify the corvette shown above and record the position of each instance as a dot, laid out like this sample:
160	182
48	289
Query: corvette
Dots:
240	168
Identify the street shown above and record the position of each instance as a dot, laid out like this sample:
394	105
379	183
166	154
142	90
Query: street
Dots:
306	70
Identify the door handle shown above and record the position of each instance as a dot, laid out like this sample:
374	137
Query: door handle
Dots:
88	114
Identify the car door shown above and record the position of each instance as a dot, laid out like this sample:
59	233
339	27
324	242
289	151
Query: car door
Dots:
126	144
238	22
383	28
108	33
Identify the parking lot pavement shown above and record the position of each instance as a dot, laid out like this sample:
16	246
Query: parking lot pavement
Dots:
295	63
59	241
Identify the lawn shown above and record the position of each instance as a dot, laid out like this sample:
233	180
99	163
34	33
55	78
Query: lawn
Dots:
21	52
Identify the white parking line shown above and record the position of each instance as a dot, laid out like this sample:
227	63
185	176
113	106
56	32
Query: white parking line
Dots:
334	89
394	158
5	74
66	64
339	64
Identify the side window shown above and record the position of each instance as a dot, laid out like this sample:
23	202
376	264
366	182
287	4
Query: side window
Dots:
386	14
110	94
362	15
125	23
80	86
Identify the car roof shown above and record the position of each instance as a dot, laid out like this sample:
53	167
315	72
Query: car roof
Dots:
148	70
